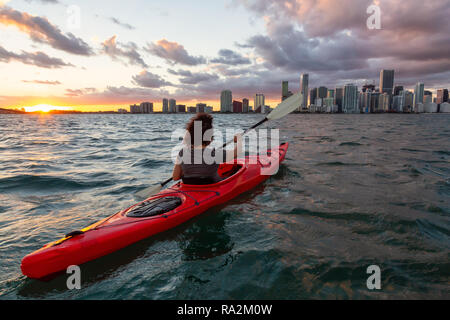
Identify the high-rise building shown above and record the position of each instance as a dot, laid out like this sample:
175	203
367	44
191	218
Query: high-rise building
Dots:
350	100
397	90
237	106
181	108
304	82
200	107
387	81
165	105
374	98
134	108
322	92
366	101
146	107
397	103
383	102
245	105
312	96
260	103
418	95
442	96
338	97
284	90
330	94
367	87
226	101
172	106
407	100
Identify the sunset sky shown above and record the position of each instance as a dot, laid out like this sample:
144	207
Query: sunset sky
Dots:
124	52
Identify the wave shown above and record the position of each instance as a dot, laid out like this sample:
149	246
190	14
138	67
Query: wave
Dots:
352	144
47	183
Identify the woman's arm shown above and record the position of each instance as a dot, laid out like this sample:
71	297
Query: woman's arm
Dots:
177	173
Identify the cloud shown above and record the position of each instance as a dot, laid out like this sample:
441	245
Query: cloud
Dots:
39	59
40	30
230	57
45	1
129	51
149	80
330	39
187	77
79	92
173	53
46	82
122	24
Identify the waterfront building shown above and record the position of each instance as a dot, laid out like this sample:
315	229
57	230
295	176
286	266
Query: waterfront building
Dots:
312	96
172	106
209	109
444	107
367	87
442	96
322	92
146	107
387	81
374	98
237	106
245	108
192	109
350	99
259	103
330	93
134	108
181	108
338	97
284	90
430	107
383	102
418	95
397	90
200	107
304	83
226	101
165	105
397	103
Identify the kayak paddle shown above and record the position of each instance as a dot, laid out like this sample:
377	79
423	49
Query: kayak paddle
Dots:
284	108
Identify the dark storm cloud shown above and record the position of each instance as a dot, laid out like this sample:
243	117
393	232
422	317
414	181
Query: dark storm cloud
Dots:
38	59
116	50
330	39
173	53
149	80
230	57
40	30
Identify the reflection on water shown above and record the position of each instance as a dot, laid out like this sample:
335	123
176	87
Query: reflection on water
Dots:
354	190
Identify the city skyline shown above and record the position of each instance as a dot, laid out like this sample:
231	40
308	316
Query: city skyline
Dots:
115	55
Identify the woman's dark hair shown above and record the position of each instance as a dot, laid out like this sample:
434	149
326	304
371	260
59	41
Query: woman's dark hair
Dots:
206	121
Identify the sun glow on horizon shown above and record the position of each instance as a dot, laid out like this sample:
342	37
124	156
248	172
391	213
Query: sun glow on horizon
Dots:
45	108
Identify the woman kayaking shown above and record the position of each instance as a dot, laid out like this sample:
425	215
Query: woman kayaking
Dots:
197	162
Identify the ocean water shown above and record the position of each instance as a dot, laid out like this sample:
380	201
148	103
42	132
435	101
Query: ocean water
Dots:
354	191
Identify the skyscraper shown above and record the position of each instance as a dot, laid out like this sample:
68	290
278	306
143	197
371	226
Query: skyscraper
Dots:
245	105
226	101
312	96
397	90
284	90
259	103
172	105
418	95
338	96
322	92
387	81
442	96
304	82
165	104
350	100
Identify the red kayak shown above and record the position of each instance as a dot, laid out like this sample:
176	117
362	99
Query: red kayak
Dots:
168	209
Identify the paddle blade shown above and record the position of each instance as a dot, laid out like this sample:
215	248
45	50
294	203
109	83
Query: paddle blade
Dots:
148	192
287	106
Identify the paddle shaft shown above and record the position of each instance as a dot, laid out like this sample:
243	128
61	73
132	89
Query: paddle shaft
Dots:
225	144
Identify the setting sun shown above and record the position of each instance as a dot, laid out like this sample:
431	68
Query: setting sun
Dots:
45	108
